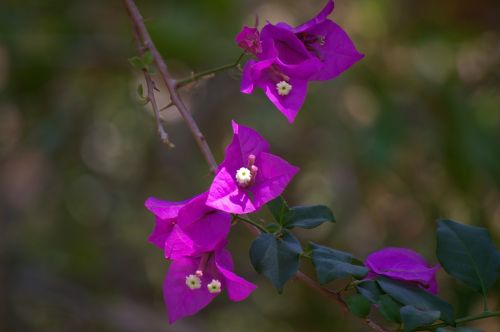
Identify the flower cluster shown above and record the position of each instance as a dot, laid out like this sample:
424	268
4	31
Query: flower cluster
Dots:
287	58
193	233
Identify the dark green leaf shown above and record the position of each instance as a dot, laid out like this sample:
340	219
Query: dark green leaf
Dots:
279	209
308	216
370	290
276	258
468	254
332	264
358	305
413	318
389	308
410	295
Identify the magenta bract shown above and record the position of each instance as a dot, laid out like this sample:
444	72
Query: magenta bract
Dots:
212	269
405	265
187	228
249	176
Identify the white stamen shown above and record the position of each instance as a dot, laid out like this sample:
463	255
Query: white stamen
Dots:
243	176
214	286
283	88
193	282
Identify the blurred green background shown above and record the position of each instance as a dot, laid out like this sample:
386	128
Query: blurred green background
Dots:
409	134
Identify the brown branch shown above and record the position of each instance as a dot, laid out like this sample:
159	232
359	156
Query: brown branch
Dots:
322	290
144	42
151	98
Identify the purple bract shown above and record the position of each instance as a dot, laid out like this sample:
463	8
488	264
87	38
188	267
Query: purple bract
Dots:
405	265
249	176
187	228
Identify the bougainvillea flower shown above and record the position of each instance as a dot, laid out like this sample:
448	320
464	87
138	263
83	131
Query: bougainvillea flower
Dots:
404	265
326	41
249	176
285	92
290	57
192	283
187	228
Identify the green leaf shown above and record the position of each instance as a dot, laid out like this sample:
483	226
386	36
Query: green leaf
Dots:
136	62
276	258
308	216
413	318
331	264
410	295
147	58
389	308
468	254
358	305
279	209
370	290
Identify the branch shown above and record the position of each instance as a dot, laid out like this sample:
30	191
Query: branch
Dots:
461	321
144	40
208	72
151	98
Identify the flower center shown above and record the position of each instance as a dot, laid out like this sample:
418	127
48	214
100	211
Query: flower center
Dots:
283	88
214	286
193	281
243	176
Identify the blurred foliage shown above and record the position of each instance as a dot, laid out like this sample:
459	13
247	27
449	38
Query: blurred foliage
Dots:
410	134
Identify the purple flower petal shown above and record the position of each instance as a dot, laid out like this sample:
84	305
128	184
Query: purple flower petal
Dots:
403	264
237	288
225	195
202	235
290	104
166	214
164	209
272	179
322	15
246	141
247	84
337	51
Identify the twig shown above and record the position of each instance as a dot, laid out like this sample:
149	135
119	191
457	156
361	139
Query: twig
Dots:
461	321
144	40
209	72
151	98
